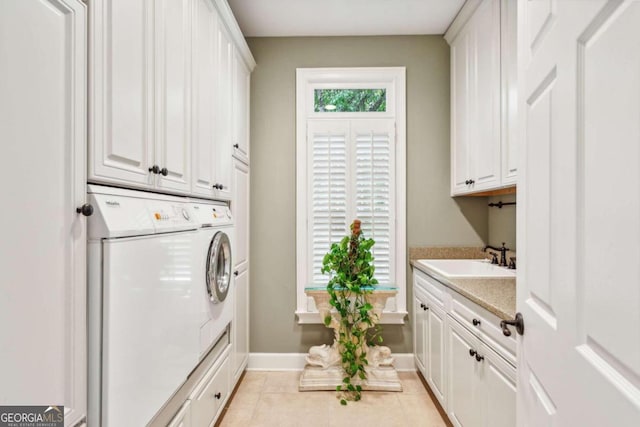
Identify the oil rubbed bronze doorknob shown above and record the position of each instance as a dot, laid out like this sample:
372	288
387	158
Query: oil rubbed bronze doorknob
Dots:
154	169
518	322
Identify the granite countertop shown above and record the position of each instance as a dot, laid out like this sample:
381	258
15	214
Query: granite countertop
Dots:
498	296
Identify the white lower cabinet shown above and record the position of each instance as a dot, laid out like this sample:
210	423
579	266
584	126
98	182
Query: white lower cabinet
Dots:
183	417
436	352
43	115
210	395
468	367
482	385
240	325
429	341
463	385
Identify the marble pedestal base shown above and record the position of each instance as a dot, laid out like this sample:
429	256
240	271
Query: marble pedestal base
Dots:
315	378
323	370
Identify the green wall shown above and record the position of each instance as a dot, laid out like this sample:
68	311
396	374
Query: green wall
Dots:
433	217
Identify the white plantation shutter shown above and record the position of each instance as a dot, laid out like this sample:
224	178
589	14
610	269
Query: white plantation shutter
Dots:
373	200
351	174
328	186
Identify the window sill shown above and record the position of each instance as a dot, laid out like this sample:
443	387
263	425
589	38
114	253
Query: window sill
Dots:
388	317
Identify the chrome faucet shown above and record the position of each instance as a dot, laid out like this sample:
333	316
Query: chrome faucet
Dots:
503	254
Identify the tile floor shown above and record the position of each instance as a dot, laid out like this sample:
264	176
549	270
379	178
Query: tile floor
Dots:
272	399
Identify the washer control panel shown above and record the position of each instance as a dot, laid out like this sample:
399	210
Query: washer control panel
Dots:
208	215
168	216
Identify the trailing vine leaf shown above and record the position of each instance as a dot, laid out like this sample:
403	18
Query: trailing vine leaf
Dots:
350	265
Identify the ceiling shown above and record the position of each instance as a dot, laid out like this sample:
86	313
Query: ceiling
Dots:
281	18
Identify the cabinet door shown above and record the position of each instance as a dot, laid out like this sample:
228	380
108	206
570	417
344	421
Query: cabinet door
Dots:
240	211
204	97
485	93
460	112
224	136
240	108
435	358
121	133
172	65
419	336
43	250
464	388
499	385
509	98
240	325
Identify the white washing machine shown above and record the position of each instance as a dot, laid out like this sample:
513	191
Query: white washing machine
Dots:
145	310
215	279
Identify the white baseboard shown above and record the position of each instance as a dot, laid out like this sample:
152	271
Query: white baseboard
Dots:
296	362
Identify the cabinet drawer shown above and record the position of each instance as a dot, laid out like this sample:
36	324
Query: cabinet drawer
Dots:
183	417
210	395
486	327
434	290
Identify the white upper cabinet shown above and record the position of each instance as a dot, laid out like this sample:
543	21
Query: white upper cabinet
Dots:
43	106
139	99
121	92
241	86
204	98
173	80
224	116
161	95
480	103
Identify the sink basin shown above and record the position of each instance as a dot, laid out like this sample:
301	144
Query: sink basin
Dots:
466	268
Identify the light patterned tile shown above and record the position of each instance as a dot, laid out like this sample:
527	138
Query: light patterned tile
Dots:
282	382
244	400
304	409
253	381
272	399
237	417
411	383
375	409
420	410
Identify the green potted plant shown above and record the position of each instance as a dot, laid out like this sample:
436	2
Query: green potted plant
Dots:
350	264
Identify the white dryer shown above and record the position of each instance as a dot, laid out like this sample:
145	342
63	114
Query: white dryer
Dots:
214	280
144	303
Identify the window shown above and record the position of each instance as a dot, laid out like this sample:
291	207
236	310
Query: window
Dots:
350	100
347	163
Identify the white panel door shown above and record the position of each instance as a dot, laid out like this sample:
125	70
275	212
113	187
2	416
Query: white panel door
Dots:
241	81
121	91
224	132
42	180
465	390
436	351
484	136
579	214
509	93
240	211
419	335
204	97
240	324
460	111
499	385
173	104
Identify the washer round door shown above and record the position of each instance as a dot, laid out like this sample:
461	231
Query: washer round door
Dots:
219	267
